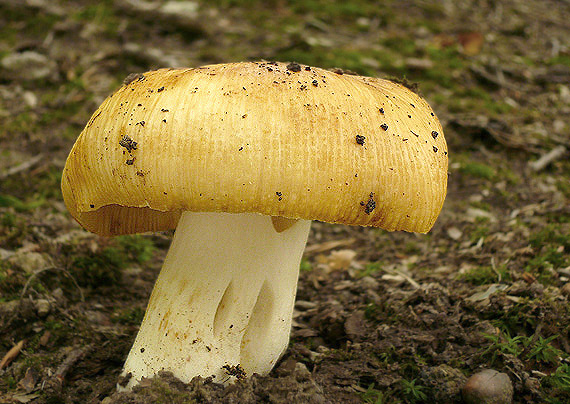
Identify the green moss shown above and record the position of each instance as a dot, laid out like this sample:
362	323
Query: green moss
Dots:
20	21
131	316
103	267
485	275
508	175
552	246
137	248
561	59
478	170
563	186
102	14
479	232
306	265
369	269
28	193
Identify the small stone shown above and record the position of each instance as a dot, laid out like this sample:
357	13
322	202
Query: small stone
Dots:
566	289
29	262
454	233
43	307
185	9
301	372
368	282
488	387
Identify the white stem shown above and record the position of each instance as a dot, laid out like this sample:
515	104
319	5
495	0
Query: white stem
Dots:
224	296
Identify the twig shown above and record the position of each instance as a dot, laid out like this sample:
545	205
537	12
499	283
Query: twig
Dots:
553	155
414	284
26	165
498	78
28	283
35	274
329	245
55	382
69	361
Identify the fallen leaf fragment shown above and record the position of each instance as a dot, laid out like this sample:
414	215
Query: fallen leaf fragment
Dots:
29	381
485	294
25	398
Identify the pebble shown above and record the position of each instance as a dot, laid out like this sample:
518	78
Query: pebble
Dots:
43	307
488	387
566	289
29	262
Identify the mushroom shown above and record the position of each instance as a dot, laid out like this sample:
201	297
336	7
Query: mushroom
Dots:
239	158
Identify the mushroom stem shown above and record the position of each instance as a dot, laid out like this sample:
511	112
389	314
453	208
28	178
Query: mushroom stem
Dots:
224	297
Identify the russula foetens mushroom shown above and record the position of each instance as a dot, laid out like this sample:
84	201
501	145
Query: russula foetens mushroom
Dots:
239	158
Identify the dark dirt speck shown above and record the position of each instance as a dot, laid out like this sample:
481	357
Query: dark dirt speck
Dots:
128	143
294	67
369	205
133	77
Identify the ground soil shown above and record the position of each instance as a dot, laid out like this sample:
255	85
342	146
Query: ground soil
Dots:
380	317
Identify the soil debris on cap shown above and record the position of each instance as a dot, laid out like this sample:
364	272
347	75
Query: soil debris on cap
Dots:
360	139
235	370
128	143
294	67
132	77
370	205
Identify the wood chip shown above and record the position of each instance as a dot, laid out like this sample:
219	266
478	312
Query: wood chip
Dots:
11	354
555	154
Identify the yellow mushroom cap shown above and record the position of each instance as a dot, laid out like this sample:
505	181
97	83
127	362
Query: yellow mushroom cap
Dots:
266	137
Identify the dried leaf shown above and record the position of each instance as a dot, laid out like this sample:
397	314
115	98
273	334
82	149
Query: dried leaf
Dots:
25	398
340	260
485	294
471	42
29	381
